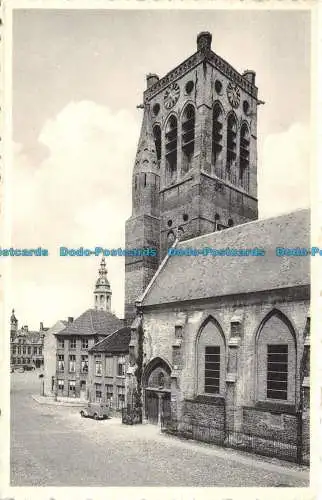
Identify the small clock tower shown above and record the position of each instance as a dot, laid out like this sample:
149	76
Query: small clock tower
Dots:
102	291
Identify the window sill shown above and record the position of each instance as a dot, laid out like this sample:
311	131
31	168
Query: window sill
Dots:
274	407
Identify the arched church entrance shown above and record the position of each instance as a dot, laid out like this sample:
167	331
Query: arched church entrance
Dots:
157	390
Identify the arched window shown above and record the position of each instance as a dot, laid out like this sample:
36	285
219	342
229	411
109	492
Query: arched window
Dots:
217	124
231	143
276	360
210	359
244	157
171	141
157	140
188	137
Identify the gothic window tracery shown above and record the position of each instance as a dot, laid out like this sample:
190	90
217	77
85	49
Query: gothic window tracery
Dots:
188	137
276	357
171	143
231	144
217	125
210	354
244	157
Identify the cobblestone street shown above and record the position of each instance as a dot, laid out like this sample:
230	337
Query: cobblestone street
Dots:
54	446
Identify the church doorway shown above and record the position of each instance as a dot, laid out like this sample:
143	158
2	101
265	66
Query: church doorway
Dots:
157	391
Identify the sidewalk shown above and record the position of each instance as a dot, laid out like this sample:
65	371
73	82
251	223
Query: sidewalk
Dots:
50	400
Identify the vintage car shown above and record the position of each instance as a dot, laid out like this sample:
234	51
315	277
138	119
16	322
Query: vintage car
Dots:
96	410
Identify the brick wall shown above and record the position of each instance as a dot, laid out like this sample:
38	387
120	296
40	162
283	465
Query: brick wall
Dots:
197	412
271	425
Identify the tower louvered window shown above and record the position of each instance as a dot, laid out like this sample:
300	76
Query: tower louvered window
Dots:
231	143
217	147
244	157
188	137
171	142
157	141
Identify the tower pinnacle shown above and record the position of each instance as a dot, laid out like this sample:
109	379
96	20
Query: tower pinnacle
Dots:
102	291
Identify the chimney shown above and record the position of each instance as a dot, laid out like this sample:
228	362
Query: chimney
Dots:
70	319
204	41
41	326
250	76
25	328
151	79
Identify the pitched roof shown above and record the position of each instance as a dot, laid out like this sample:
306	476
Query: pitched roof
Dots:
196	277
116	342
93	322
30	336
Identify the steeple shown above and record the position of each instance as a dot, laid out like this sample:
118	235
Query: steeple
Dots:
146	172
102	291
13	325
142	229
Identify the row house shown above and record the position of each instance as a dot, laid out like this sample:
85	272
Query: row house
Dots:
108	363
74	341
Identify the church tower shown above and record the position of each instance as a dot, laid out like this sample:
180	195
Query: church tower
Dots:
13	326
102	291
142	229
199	141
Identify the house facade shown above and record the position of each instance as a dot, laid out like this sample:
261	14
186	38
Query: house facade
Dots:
50	356
108	364
26	346
80	335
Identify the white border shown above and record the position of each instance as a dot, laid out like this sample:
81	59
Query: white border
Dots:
315	490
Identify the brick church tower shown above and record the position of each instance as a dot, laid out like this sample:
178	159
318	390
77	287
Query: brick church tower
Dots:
196	166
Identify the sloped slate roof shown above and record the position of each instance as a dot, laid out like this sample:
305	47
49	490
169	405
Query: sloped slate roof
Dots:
188	277
93	322
116	342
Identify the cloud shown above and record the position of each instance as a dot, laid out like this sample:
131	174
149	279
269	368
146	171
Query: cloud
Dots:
284	172
78	196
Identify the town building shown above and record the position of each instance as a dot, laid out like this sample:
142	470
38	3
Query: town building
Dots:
108	364
225	338
80	335
26	346
49	350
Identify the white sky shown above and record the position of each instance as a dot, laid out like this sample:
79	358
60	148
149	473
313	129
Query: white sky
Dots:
77	78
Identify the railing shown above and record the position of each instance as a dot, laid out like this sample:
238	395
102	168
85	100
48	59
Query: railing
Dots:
234	439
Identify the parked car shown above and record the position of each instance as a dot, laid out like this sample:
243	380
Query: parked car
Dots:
96	410
20	369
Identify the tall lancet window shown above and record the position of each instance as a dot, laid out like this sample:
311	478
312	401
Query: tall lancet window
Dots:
231	145
188	137
171	142
217	124
244	157
157	140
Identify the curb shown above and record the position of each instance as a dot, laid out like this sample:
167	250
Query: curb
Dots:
43	400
